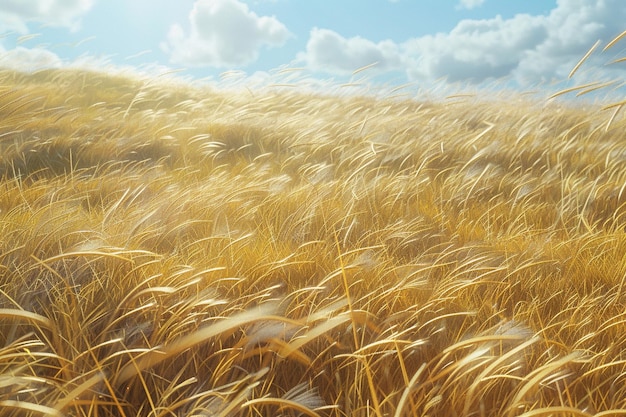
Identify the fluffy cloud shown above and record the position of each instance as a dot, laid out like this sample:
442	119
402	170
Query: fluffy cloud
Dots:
527	48
330	52
476	50
470	4
531	49
25	59
224	33
15	14
573	27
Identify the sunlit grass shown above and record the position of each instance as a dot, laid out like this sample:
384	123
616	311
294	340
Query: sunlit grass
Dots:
169	250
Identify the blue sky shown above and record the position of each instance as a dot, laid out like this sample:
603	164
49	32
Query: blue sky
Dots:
525	43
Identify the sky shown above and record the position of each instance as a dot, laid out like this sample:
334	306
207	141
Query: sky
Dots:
523	44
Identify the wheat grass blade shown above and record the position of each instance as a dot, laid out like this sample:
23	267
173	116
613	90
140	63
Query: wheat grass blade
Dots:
150	359
614	41
583	59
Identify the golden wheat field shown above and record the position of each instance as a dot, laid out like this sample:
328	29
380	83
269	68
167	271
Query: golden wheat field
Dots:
168	250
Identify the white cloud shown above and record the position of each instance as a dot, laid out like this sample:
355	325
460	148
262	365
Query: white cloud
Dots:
26	59
16	14
476	50
224	33
527	48
34	59
573	27
470	4
328	51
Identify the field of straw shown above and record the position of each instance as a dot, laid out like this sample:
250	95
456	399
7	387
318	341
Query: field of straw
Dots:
176	251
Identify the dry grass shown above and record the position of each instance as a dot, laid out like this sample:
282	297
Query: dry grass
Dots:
169	251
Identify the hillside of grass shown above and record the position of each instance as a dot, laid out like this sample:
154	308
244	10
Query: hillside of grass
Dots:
169	250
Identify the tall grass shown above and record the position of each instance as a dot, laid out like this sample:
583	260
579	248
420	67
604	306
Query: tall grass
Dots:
169	251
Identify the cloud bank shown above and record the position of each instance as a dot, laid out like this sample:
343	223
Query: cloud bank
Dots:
527	48
223	33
